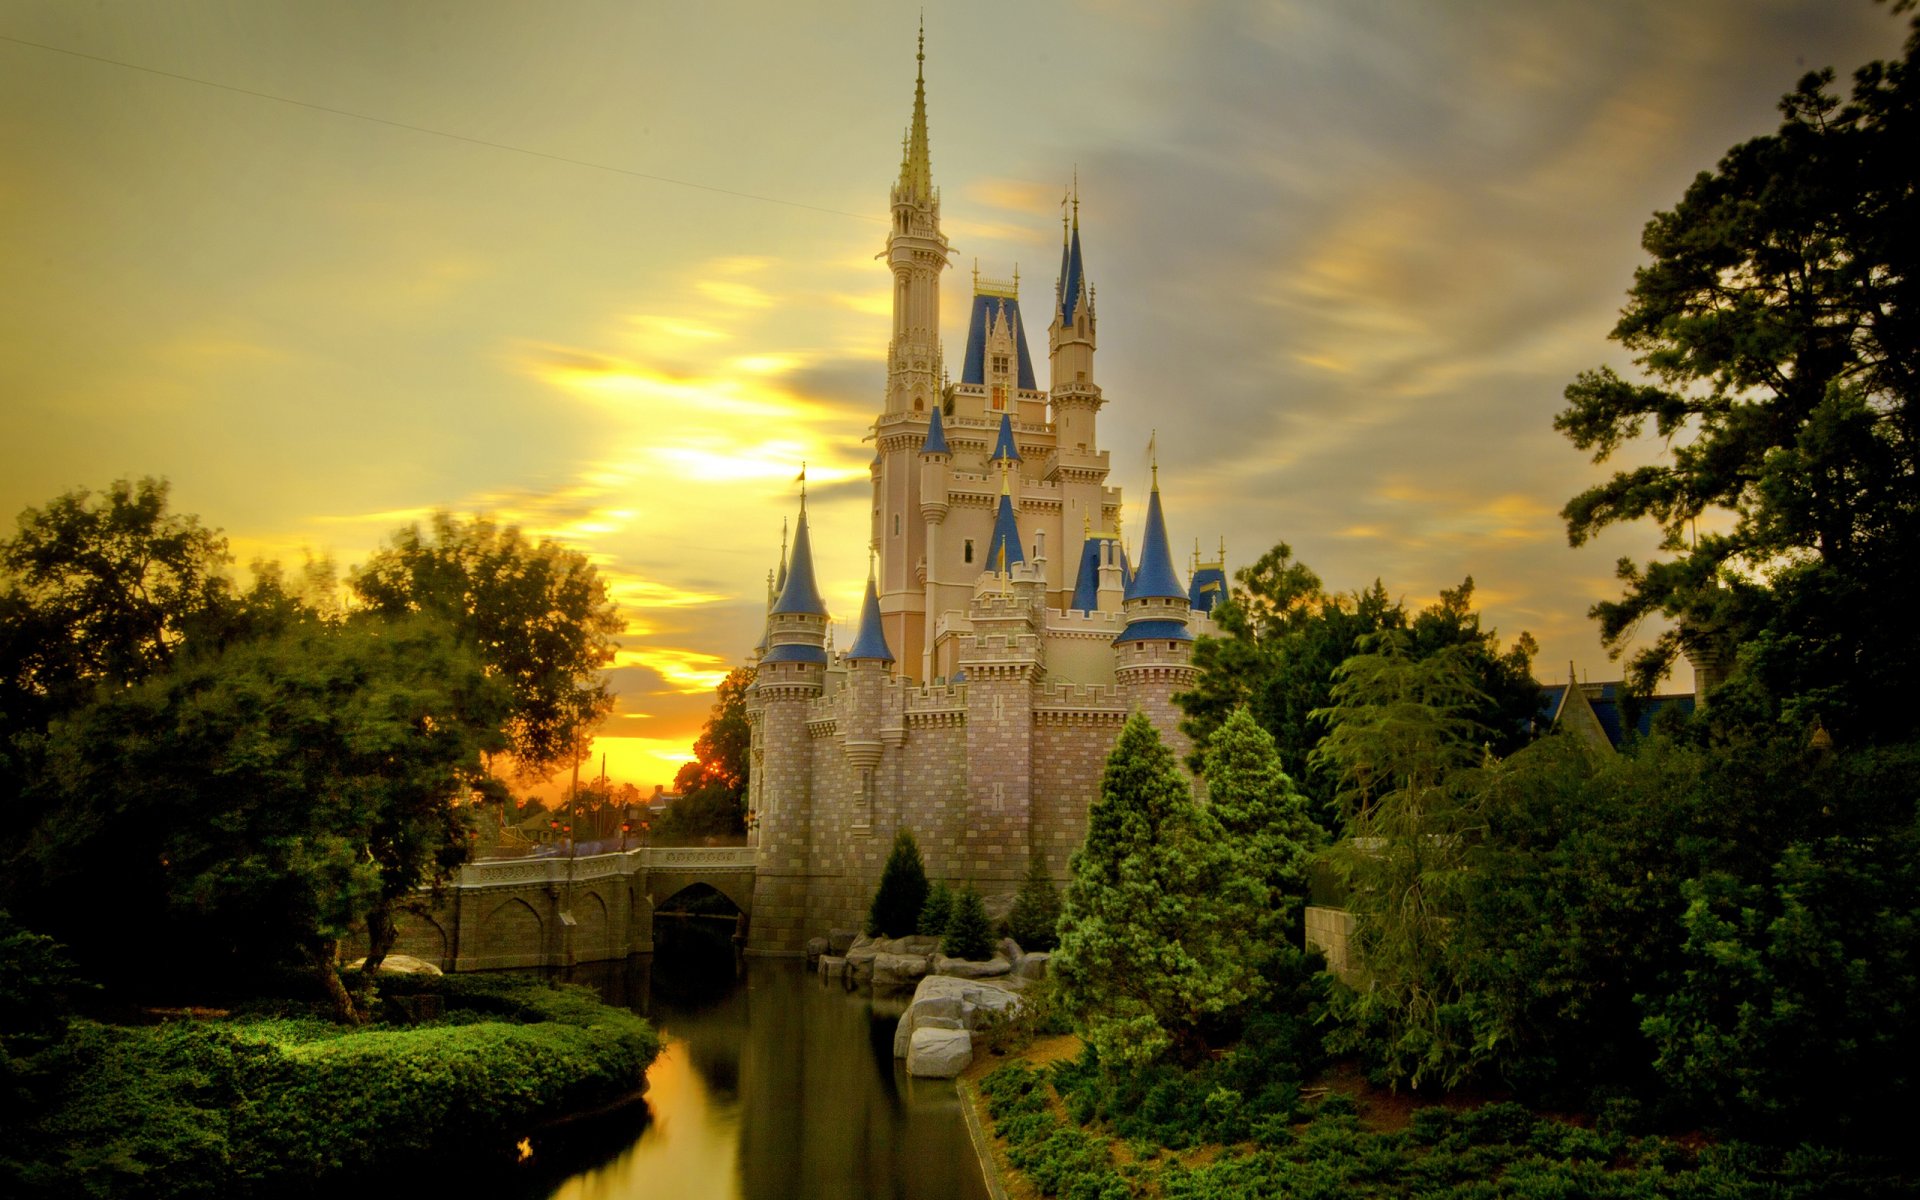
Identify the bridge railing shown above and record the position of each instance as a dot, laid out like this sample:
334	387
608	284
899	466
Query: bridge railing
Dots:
506	872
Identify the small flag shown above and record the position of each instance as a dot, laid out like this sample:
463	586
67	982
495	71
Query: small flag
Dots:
802	476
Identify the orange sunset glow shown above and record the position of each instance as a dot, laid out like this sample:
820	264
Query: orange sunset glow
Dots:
606	272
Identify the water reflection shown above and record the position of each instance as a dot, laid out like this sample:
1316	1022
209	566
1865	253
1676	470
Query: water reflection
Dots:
772	1086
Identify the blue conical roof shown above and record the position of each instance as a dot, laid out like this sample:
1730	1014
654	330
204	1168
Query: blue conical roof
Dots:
1086	586
871	642
799	594
1156	578
1006	536
1003	449
936	442
1074	283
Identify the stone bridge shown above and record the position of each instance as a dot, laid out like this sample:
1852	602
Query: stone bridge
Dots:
551	912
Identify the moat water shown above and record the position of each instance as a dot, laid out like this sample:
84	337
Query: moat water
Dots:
770	1085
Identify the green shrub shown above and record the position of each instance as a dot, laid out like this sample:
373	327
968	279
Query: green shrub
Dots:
902	893
1036	908
286	1105
968	934
935	913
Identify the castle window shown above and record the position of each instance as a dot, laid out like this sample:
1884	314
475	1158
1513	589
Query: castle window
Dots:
896	524
999	364
969	550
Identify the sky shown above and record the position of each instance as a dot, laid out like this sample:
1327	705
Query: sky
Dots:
606	270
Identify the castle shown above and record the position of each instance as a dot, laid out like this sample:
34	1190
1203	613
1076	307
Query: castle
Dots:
1005	636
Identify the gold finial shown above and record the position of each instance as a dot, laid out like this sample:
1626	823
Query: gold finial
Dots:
1086	525
920	55
1223	551
1003	478
1153	457
1066	195
976	273
1016	280
1076	195
803	487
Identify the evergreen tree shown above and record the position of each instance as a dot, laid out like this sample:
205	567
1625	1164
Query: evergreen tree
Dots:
1267	821
902	892
936	911
1154	939
969	934
1036	909
1403	746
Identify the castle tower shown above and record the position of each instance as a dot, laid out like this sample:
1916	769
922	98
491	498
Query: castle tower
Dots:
790	676
916	253
868	668
1003	661
1153	656
1078	468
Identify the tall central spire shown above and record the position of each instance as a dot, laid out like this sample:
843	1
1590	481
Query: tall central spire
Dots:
916	167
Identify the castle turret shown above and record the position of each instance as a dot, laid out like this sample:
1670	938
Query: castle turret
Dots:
935	459
1153	656
1077	467
862	703
916	253
790	676
1003	549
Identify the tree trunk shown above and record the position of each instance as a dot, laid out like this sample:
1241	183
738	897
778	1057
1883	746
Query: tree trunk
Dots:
343	1007
381	933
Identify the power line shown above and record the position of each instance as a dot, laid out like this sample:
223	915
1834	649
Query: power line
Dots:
457	137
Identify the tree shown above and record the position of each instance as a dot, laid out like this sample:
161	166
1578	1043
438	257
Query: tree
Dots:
97	589
1157	926
1035	918
1777	321
1265	819
968	934
713	787
1284	636
273	797
902	893
1403	746
935	912
537	616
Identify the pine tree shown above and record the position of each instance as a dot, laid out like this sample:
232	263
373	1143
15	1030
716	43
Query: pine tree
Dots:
1036	909
936	911
1154	937
902	892
969	934
1269	824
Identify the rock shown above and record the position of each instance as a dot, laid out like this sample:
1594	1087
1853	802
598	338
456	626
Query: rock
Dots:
932	1007
1033	966
839	941
898	970
988	1003
816	949
860	958
939	1053
943	998
962	968
832	966
919	943
398	964
1011	951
